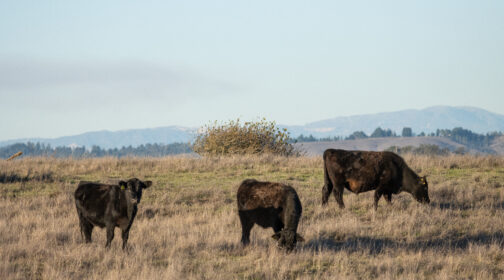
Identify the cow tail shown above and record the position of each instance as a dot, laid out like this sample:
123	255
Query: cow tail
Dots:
328	184
79	197
81	219
327	181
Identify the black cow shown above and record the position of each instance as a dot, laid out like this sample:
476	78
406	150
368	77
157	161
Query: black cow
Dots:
362	171
108	206
269	205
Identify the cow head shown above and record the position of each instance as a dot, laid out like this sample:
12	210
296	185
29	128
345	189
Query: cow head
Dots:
287	239
133	189
421	190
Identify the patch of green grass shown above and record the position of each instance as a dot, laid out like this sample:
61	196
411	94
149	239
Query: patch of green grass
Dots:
358	210
457	173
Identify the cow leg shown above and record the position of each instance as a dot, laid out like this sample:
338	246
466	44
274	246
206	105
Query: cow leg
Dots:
86	228
326	192
110	234
338	195
125	229
246	227
278	226
125	235
388	198
377	196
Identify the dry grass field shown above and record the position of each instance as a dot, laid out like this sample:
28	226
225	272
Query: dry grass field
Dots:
188	227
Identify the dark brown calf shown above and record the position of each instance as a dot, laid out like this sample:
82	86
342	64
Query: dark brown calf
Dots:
362	171
269	205
108	206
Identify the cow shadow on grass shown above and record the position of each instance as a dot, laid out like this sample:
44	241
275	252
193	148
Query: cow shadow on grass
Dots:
374	246
450	205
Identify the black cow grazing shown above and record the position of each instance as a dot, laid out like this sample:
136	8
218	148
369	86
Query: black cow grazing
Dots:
108	206
362	171
270	205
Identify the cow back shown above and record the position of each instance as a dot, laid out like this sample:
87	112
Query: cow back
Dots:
253	194
92	200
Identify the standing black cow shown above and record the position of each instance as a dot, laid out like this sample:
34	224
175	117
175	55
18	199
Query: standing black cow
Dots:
108	206
270	205
362	171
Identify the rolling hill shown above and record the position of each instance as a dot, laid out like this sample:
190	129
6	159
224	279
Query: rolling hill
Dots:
117	139
380	144
426	120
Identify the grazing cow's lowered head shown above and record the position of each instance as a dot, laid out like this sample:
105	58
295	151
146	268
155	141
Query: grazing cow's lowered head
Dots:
270	205
108	206
287	239
419	188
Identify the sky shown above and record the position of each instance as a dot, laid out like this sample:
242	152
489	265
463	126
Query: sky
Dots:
69	67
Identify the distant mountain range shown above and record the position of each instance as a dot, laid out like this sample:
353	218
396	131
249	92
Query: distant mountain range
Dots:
117	139
426	120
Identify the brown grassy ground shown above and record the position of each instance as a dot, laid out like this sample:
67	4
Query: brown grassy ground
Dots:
195	231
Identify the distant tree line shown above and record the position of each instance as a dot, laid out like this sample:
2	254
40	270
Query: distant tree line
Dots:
459	135
148	150
469	138
378	132
311	138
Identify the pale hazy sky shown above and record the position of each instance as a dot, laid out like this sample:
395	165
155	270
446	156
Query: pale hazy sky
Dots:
68	67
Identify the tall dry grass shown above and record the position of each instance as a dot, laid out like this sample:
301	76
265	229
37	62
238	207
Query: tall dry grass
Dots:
188	228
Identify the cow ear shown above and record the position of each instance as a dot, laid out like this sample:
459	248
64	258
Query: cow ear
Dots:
299	238
123	185
147	184
276	236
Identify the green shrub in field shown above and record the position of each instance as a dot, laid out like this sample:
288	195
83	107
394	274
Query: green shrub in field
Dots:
261	137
